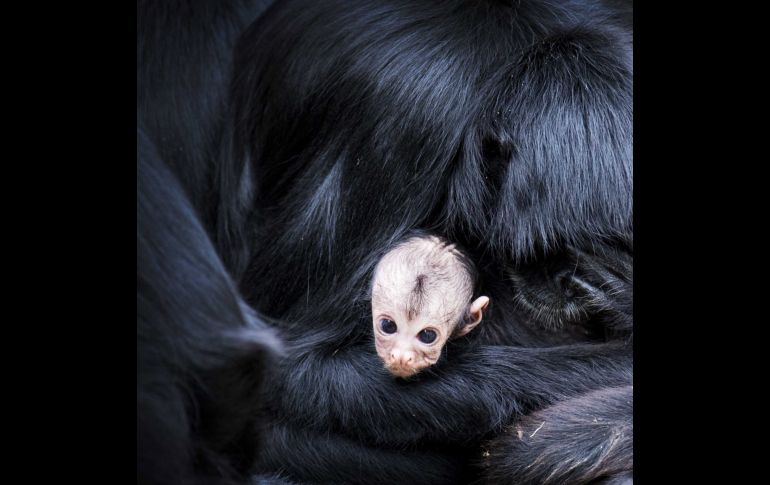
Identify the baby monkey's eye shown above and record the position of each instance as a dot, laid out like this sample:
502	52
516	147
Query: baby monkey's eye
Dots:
427	336
388	326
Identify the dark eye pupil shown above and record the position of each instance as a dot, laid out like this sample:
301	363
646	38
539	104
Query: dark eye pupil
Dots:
427	336
388	326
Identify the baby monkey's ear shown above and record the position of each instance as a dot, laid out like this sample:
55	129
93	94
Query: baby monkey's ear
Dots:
477	308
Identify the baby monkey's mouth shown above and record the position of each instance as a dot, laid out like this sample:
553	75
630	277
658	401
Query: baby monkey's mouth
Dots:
401	370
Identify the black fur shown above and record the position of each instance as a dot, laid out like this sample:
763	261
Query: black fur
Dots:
503	126
201	351
581	440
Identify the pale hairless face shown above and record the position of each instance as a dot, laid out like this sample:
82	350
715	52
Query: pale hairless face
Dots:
421	296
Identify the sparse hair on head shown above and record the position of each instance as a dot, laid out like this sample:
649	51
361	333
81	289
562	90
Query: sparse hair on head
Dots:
430	262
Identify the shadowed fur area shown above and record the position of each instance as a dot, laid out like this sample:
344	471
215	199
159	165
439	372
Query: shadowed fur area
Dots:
202	353
284	147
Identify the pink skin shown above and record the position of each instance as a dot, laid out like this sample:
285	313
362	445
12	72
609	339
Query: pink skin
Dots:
420	285
402	352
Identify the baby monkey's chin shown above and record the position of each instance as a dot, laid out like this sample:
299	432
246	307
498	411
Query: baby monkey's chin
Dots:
405	371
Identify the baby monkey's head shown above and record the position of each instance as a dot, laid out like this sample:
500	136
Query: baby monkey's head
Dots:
422	294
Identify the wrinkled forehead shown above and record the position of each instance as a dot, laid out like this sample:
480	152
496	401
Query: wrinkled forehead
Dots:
434	305
427	286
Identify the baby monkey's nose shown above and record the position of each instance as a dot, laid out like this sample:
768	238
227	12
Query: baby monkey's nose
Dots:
402	357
